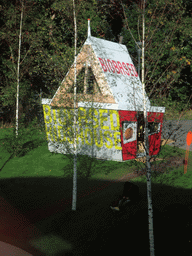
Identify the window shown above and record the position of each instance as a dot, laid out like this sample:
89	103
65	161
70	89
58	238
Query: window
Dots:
92	86
80	81
85	83
141	124
90	81
153	128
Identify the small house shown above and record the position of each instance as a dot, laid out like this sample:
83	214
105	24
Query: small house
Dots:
109	92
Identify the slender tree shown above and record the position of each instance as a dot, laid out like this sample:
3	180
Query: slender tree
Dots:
167	48
146	143
18	69
74	200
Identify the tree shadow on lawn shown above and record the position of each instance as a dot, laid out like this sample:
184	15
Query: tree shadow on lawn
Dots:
128	232
94	228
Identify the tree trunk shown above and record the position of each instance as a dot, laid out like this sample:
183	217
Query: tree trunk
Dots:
74	199
146	143
18	67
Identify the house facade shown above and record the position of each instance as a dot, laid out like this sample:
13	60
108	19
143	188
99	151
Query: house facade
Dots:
110	101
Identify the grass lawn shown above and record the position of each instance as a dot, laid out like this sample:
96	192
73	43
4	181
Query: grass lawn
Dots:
35	160
173	177
39	162
36	178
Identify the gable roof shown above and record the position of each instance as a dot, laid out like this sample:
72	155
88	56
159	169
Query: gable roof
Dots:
114	72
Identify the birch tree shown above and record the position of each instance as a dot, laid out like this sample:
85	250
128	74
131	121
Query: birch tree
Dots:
166	6
149	198
146	141
74	199
167	48
18	69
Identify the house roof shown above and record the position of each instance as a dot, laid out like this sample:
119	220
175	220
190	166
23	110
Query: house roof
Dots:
114	71
120	73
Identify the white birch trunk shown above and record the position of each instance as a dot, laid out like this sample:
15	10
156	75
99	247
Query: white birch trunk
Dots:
74	198
18	69
146	143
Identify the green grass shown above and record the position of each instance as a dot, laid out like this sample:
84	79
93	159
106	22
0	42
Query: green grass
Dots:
37	161
33	158
173	177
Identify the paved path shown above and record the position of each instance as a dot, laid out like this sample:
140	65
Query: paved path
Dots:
177	131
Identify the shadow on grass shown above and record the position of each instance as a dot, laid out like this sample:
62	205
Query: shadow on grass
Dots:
94	228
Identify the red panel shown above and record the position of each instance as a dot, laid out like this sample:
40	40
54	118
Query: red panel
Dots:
154	143
155	139
155	117
129	150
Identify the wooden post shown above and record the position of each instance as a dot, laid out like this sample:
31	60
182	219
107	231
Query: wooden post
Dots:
188	141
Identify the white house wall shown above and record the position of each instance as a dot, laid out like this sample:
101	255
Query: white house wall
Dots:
126	89
102	140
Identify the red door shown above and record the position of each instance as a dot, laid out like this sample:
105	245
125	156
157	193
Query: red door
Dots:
128	127
155	121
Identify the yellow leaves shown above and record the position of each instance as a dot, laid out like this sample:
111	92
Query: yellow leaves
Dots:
173	48
169	75
184	58
149	11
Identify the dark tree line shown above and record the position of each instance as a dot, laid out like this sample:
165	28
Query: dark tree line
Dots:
48	41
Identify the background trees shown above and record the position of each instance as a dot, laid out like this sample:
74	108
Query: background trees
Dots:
47	47
167	51
46	50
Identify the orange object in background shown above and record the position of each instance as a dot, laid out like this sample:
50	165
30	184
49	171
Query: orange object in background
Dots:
189	138
189	141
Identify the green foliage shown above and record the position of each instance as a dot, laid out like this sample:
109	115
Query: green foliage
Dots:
47	48
173	108
167	46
